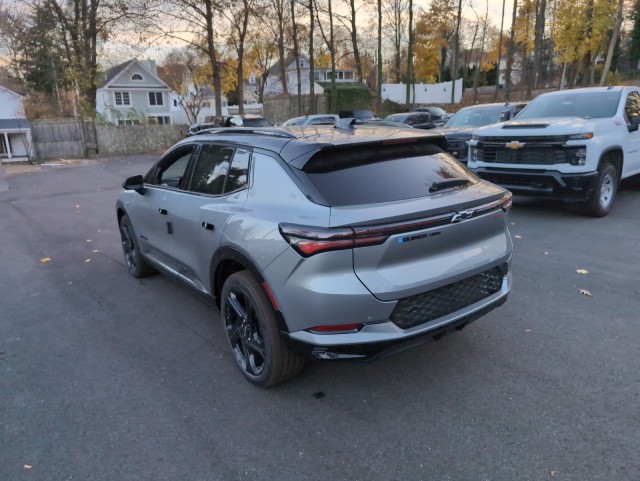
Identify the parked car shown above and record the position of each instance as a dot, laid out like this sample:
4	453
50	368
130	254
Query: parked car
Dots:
246	120
459	128
362	114
195	128
315	119
438	115
417	120
276	227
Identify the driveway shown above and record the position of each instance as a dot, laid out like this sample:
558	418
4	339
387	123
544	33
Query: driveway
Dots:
104	377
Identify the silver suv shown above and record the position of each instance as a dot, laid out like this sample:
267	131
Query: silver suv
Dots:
330	242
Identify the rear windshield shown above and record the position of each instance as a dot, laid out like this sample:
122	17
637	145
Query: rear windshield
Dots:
573	104
371	174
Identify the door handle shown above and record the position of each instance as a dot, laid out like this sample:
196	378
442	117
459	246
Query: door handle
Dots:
162	211
207	226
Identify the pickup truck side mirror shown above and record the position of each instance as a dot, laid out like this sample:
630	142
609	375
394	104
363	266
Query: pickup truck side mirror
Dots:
505	115
134	183
635	122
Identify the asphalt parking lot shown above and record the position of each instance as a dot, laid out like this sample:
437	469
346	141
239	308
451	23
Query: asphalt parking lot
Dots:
104	377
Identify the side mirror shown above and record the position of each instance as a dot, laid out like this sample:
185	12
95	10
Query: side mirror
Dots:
635	122
134	183
505	115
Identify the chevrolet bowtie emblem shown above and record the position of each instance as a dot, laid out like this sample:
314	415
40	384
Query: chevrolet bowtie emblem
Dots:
514	144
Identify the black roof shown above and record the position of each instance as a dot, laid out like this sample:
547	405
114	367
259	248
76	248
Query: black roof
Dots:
299	142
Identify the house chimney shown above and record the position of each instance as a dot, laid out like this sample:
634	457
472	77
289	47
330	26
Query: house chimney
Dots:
151	65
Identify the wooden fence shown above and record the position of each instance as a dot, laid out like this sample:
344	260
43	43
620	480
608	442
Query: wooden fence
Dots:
66	138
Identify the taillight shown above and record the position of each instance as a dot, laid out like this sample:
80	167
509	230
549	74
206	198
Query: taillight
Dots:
308	241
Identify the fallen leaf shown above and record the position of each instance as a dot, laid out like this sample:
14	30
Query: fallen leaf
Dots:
585	292
77	206
44	260
87	260
95	250
552	473
527	330
88	240
513	223
582	271
27	466
518	236
546	253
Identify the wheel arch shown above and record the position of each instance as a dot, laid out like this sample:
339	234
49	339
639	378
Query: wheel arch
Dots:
228	261
615	157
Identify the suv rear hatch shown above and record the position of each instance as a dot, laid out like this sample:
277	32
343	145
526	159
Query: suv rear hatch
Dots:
423	220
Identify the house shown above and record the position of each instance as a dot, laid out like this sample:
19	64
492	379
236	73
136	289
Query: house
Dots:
273	84
132	93
16	143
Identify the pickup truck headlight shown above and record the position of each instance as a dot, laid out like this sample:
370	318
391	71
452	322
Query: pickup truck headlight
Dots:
585	136
579	157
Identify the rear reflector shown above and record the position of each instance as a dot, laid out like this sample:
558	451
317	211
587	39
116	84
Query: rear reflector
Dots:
337	328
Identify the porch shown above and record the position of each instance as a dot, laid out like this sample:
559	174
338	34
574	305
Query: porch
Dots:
15	141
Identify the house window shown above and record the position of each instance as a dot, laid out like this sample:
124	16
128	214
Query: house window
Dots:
175	103
160	120
155	98
122	98
128	122
136	76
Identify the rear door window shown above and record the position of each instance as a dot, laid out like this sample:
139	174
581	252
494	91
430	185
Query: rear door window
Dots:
220	169
374	173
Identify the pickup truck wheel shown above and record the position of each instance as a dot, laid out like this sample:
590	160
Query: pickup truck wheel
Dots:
601	200
255	340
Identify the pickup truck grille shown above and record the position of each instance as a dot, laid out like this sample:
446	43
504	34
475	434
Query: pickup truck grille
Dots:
542	151
415	310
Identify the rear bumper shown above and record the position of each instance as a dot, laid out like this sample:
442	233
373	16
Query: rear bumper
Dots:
547	183
376	341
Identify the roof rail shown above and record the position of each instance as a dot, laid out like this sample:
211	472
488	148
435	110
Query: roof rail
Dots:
249	130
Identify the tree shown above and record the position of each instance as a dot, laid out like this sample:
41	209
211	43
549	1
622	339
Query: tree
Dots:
42	60
634	47
186	73
193	22
612	43
238	13
83	25
525	39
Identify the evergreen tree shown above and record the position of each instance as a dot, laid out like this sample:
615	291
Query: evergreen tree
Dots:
41	54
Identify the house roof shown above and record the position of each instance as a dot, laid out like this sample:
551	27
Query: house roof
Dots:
275	69
114	72
7	89
14	124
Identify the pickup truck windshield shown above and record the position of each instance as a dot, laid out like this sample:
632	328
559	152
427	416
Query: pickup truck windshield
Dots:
590	105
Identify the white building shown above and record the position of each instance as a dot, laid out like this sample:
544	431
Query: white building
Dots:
273	84
16	142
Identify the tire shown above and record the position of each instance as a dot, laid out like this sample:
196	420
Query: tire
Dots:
133	259
601	200
251	327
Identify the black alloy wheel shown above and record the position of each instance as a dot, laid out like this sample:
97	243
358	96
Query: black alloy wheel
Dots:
136	264
254	337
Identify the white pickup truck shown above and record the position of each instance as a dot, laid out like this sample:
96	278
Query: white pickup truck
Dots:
575	145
